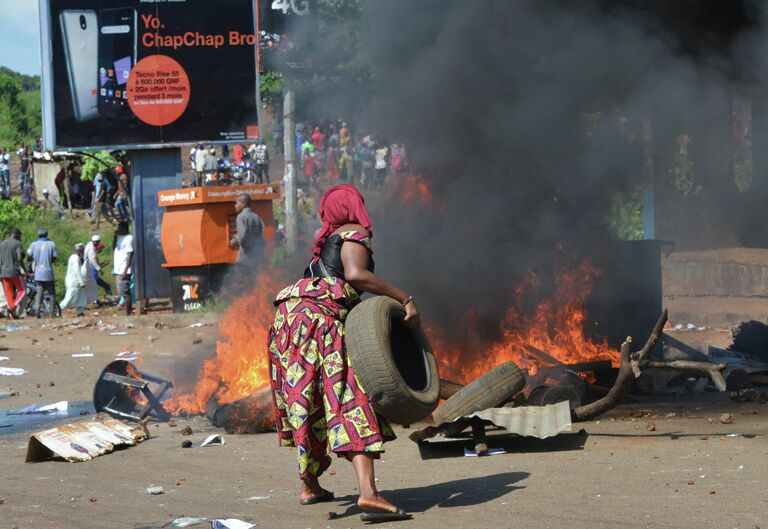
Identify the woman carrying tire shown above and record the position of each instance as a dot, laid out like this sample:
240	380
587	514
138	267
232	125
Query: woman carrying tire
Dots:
318	402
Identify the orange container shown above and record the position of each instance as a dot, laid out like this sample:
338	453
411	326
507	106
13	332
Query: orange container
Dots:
199	222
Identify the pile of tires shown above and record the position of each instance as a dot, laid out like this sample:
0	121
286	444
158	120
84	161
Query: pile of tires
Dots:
491	390
393	362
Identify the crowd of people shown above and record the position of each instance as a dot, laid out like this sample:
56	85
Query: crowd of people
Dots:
25	168
331	152
30	273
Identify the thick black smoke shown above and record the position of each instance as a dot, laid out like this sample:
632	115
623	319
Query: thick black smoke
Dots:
526	117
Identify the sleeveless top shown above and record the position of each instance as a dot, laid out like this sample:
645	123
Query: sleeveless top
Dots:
330	254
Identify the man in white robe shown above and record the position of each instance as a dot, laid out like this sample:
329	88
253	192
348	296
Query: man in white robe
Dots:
75	282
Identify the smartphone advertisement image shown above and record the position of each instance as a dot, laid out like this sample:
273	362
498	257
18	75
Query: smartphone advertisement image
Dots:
143	73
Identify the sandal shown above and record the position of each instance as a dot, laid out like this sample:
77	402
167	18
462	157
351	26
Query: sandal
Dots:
324	497
379	517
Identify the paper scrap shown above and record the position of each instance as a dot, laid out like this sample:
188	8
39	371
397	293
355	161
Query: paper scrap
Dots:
231	523
155	490
56	407
195	325
82	355
214	439
468	452
187	521
119	333
12	371
4	358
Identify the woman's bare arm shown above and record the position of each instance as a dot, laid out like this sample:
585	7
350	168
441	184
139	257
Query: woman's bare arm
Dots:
355	258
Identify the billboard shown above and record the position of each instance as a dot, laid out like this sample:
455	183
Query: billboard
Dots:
147	73
287	30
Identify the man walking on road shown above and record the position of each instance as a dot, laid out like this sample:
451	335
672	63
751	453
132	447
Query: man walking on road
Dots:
12	272
43	254
123	261
5	173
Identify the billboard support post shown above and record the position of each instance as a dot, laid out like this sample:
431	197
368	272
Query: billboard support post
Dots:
152	170
289	140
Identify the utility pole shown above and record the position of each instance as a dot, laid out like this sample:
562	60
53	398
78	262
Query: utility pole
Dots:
289	139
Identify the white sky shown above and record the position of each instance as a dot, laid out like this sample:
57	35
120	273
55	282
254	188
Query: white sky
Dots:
20	36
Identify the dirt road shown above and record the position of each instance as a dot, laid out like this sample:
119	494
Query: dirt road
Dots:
692	471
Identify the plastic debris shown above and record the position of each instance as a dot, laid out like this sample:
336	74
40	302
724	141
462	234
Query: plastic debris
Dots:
187	522
155	490
231	523
57	407
214	439
82	355
12	371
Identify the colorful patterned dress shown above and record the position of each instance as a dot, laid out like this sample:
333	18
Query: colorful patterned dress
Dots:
319	403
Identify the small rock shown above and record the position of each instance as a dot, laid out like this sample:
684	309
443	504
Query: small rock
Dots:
186	444
726	418
155	490
712	492
690	482
333	515
93	500
51	383
651	427
711	420
704	438
197	341
186	431
83	413
172	424
332	472
50	339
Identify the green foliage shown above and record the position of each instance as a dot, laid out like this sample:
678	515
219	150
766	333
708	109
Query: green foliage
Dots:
20	116
98	161
271	88
683	172
64	232
744	175
626	215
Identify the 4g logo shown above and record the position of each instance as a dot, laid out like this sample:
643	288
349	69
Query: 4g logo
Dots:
297	7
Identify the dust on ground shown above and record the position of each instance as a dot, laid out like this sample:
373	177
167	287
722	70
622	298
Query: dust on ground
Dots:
692	471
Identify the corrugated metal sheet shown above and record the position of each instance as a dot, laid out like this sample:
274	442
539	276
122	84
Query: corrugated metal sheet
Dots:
531	421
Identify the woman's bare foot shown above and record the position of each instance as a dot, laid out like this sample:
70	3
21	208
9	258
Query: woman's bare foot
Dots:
311	491
375	503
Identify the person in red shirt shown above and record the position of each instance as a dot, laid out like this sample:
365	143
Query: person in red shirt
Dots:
318	140
237	154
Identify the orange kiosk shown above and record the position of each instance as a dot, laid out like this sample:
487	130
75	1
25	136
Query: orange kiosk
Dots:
197	226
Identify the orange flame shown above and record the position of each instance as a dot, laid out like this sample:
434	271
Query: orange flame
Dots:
415	189
555	329
241	365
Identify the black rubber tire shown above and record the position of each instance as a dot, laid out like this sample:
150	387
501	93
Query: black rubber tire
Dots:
493	389
376	340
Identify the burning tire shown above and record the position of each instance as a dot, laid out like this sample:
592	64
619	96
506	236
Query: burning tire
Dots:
394	363
492	389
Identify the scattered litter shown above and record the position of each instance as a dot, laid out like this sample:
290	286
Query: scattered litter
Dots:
13	328
651	426
154	490
82	355
186	522
57	407
468	452
6	394
726	418
213	439
118	333
749	395
195	325
12	371
129	356
82	441
4	358
231	524
257	498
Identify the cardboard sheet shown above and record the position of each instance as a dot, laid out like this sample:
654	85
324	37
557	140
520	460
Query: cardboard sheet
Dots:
83	441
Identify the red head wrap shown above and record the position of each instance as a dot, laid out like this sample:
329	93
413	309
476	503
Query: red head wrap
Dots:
340	205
